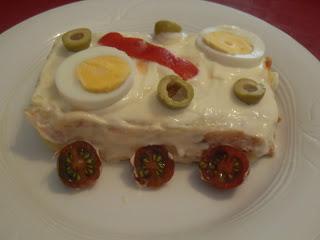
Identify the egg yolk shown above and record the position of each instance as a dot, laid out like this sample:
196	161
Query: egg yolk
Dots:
103	73
228	42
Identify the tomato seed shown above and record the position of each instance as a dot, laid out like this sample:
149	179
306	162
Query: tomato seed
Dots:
236	161
222	177
159	172
158	158
212	165
161	165
141	173
203	164
230	176
81	152
89	160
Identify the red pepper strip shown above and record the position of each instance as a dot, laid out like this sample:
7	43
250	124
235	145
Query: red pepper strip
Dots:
139	48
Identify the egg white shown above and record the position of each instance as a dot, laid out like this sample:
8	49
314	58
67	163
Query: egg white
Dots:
234	60
168	38
71	89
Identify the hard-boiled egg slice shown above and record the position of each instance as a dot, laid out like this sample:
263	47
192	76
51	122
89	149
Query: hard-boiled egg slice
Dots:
231	45
95	78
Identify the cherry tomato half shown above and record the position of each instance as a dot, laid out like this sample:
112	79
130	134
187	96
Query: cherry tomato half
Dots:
224	167
78	165
152	166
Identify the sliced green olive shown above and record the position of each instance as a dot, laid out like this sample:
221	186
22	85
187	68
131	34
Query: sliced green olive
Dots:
175	92
164	26
77	39
249	91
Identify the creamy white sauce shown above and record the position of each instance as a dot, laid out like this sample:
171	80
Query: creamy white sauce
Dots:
140	119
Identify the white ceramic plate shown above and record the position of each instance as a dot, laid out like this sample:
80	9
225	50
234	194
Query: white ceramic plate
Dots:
279	200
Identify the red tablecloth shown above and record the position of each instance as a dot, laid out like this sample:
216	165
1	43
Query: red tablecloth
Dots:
299	18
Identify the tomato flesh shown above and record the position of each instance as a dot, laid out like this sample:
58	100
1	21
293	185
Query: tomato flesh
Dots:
139	48
152	166
224	167
78	164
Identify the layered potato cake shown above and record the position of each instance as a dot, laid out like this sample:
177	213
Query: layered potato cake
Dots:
215	116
